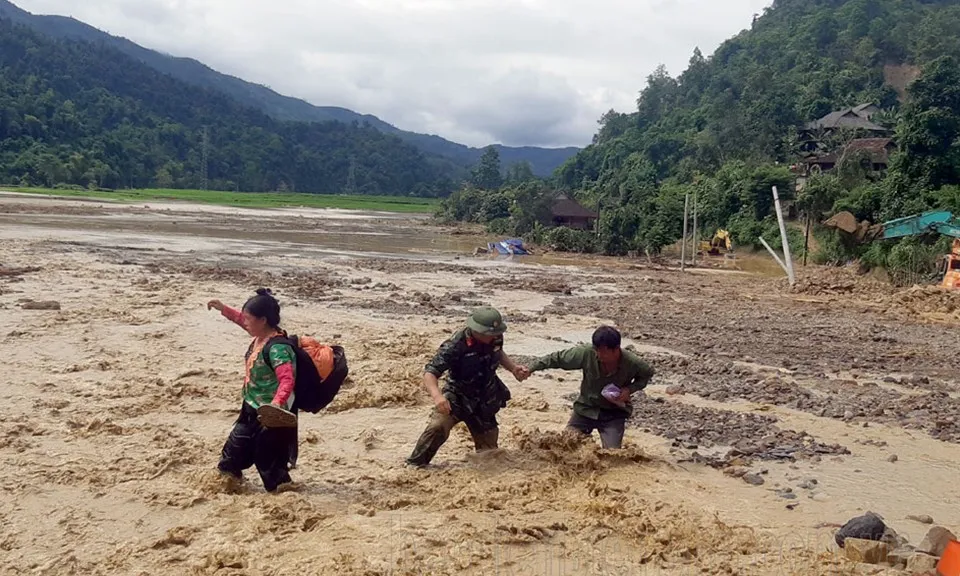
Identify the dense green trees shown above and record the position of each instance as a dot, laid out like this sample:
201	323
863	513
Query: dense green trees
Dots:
84	114
728	127
486	175
929	137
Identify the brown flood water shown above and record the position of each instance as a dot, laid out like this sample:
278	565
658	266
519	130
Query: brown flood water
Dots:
181	227
123	397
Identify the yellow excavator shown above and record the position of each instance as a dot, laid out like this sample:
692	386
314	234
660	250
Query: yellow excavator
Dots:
719	244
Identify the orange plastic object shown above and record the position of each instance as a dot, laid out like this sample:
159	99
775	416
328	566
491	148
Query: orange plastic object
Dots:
949	564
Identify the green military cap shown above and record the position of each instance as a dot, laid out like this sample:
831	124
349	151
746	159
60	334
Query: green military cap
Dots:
486	322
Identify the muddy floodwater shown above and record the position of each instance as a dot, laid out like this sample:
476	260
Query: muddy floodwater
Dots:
776	414
193	227
197	227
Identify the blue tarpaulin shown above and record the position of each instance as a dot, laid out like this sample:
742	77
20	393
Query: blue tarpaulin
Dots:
511	246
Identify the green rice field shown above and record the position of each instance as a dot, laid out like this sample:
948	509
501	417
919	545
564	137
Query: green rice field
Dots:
250	199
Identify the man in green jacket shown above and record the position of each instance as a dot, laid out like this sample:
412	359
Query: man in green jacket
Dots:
603	364
473	393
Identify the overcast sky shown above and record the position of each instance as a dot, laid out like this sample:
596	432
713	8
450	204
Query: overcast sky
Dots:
517	72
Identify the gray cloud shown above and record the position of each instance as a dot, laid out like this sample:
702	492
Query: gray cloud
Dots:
517	72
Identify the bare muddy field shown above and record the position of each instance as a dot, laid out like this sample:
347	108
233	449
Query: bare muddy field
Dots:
776	413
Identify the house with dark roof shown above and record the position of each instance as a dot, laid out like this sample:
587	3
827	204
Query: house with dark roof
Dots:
857	118
566	211
875	151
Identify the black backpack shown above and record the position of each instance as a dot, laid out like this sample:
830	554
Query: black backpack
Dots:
311	392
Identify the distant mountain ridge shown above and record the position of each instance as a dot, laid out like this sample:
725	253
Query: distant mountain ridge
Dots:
84	114
543	160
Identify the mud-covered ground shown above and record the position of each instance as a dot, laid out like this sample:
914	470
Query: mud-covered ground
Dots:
774	411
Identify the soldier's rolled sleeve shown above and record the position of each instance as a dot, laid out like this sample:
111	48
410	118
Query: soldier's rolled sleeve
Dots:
441	361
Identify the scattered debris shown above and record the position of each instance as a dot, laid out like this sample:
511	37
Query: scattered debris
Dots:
921	518
16	272
898	558
534	283
866	551
752	436
808	484
787	494
936	540
831	281
921	563
753	479
870	526
42	305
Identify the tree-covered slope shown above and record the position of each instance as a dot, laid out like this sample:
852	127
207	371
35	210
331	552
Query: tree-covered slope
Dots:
543	160
79	112
799	60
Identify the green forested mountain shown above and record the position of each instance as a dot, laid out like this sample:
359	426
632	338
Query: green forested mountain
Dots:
731	126
728	125
800	60
83	113
542	160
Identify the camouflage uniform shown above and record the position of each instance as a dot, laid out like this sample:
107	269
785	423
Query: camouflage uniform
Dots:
474	390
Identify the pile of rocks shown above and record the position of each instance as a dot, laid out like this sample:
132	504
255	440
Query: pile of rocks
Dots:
740	437
867	539
827	281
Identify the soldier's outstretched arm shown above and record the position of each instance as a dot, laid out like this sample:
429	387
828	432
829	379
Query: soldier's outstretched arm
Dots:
570	359
519	372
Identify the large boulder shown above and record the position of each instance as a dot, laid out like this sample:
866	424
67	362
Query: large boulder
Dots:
898	558
866	551
936	540
921	563
870	526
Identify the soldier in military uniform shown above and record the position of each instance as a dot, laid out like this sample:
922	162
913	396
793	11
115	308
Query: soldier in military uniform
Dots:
473	393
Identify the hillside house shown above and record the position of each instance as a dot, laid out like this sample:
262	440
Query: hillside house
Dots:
566	211
875	151
858	118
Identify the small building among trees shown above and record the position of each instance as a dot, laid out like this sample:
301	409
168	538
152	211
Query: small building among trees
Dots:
844	140
873	153
565	211
865	155
857	121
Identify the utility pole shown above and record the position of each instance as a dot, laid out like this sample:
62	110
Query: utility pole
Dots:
695	247
787	262
683	244
206	156
783	235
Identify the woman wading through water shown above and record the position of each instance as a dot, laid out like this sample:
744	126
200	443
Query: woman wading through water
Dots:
266	431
